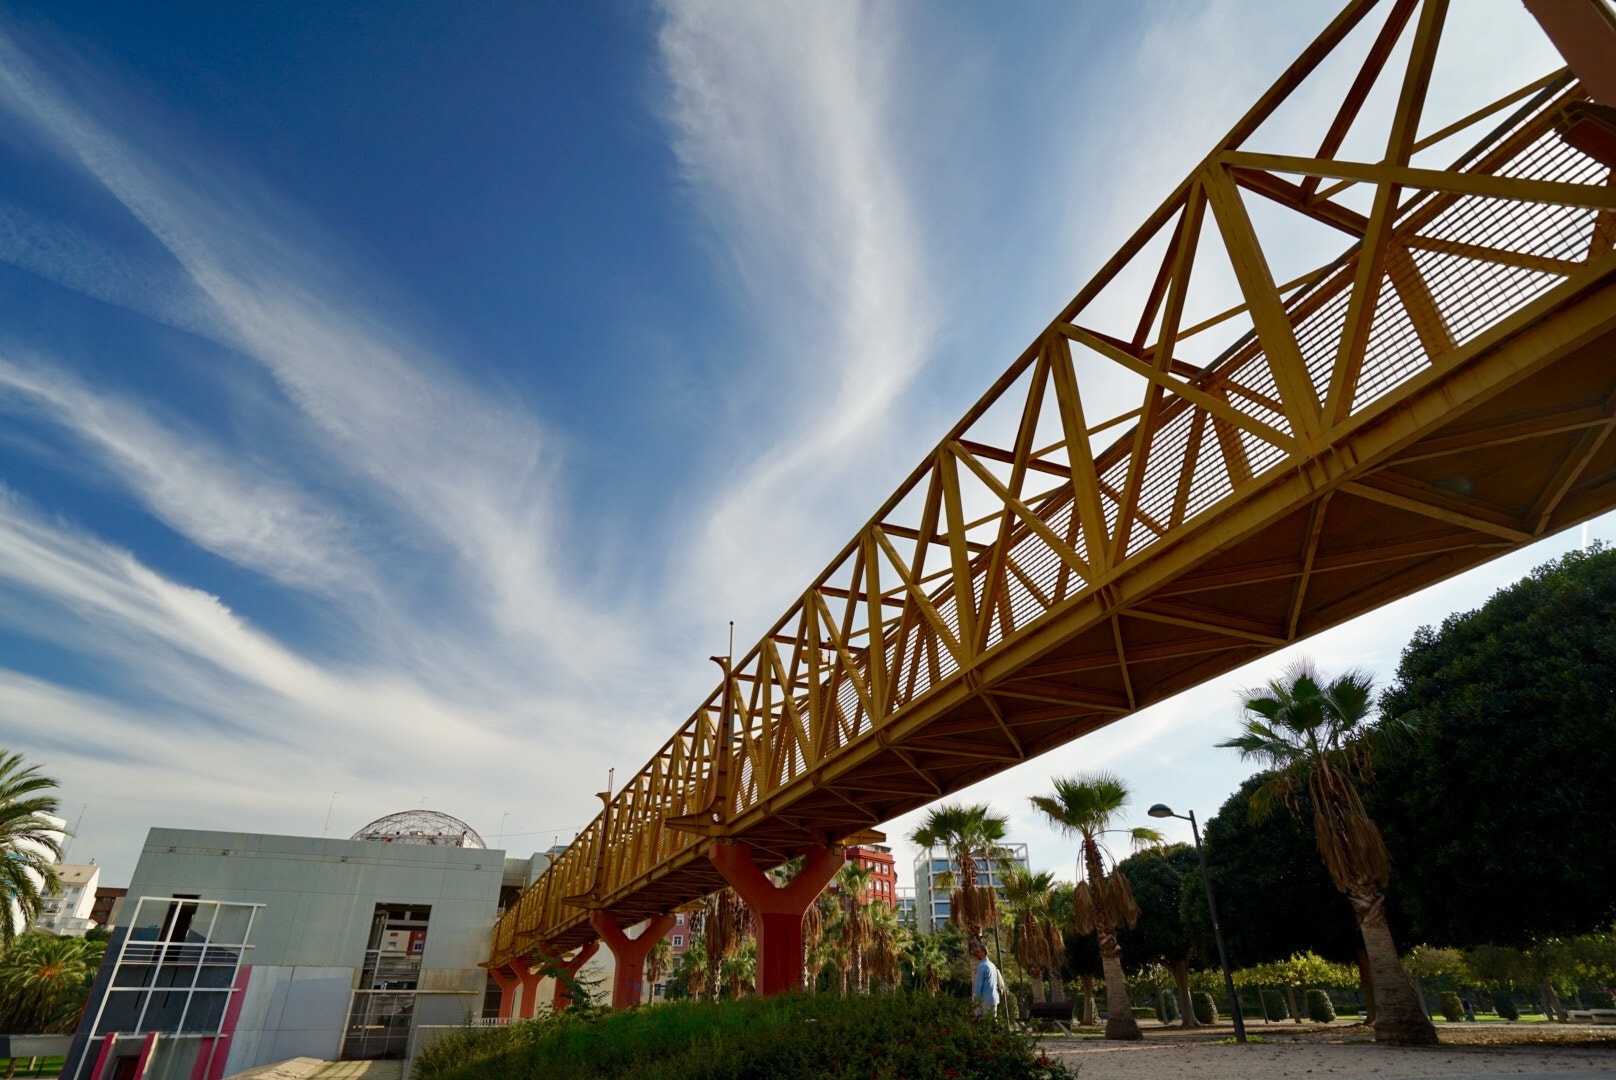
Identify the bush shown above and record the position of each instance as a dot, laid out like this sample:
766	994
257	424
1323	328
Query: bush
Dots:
1601	999
790	1038
1504	1004
1206	1010
1274	1006
1144	1012
1170	1006
1449	1005
1320	1009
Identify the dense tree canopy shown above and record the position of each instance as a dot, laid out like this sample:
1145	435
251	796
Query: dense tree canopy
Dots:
1274	896
1500	820
1160	936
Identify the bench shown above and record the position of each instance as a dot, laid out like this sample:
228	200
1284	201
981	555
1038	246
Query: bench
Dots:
1057	1012
1594	1016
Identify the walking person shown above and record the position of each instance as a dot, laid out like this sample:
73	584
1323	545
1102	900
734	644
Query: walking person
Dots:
986	984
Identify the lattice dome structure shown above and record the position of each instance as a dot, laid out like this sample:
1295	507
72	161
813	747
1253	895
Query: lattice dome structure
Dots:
421	827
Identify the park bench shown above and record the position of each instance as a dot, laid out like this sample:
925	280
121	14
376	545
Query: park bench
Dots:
1058	1012
1594	1016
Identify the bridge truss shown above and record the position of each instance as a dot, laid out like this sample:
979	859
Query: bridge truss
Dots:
1430	384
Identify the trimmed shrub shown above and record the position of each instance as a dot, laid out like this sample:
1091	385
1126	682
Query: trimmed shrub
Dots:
1601	999
1320	1009
1449	1005
783	1038
1170	1005
1274	1006
1206	1010
1504	1004
1144	1012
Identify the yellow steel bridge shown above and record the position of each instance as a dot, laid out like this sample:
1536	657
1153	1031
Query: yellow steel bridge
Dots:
1434	386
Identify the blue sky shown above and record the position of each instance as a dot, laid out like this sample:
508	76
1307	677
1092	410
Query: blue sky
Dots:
398	400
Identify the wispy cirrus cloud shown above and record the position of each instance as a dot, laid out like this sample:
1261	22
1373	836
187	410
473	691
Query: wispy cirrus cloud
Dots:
784	121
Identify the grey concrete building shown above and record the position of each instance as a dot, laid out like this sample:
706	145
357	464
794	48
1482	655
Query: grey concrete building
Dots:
284	946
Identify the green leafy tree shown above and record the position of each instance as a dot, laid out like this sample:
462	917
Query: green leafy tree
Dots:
1506	794
969	834
1086	807
927	960
1318	739
30	844
855	930
1160	936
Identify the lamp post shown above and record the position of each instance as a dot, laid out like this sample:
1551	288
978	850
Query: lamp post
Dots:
1162	810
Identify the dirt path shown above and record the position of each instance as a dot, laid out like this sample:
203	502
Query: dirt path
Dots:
1321	1052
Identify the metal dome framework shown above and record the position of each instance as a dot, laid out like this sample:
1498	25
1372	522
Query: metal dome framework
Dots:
426	827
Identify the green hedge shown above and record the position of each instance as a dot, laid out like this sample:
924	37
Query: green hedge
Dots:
1449	1005
1206	1009
784	1038
1504	1004
1320	1009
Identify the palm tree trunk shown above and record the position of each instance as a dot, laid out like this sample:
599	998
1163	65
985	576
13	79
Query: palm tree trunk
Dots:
1035	975
1089	1019
1551	1001
1119	1021
1181	979
1366	984
1057	988
1398	1016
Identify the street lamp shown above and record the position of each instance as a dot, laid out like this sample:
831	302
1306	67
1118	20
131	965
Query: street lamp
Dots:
1162	810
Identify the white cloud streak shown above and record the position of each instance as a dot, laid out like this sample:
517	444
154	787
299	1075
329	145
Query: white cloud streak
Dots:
782	119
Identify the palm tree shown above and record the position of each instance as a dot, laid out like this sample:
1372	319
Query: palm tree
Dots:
1319	743
882	956
928	960
30	843
692	968
656	961
1086	806
967	833
45	981
1028	896
852	886
727	926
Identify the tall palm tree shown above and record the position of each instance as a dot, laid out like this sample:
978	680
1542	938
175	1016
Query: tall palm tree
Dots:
1028	895
30	843
1086	806
887	940
967	833
928	960
657	961
727	925
1319	742
856	930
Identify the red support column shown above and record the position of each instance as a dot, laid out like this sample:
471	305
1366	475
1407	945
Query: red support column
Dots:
628	985
776	912
527	980
563	993
146	1055
508	981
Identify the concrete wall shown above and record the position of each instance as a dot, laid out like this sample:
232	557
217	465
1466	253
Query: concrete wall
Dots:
309	939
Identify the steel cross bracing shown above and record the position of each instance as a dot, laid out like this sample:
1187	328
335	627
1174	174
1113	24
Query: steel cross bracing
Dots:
1441	391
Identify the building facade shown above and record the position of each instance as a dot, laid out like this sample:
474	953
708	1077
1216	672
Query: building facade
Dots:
883	872
334	949
932	906
68	911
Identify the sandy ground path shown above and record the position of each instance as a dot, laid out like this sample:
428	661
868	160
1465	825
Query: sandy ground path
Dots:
1318	1052
1312	1061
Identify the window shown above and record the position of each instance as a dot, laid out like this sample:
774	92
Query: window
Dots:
678	940
679	920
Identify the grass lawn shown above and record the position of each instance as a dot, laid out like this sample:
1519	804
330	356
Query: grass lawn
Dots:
45	1066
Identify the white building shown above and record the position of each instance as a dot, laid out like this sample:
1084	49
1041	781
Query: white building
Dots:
66	912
